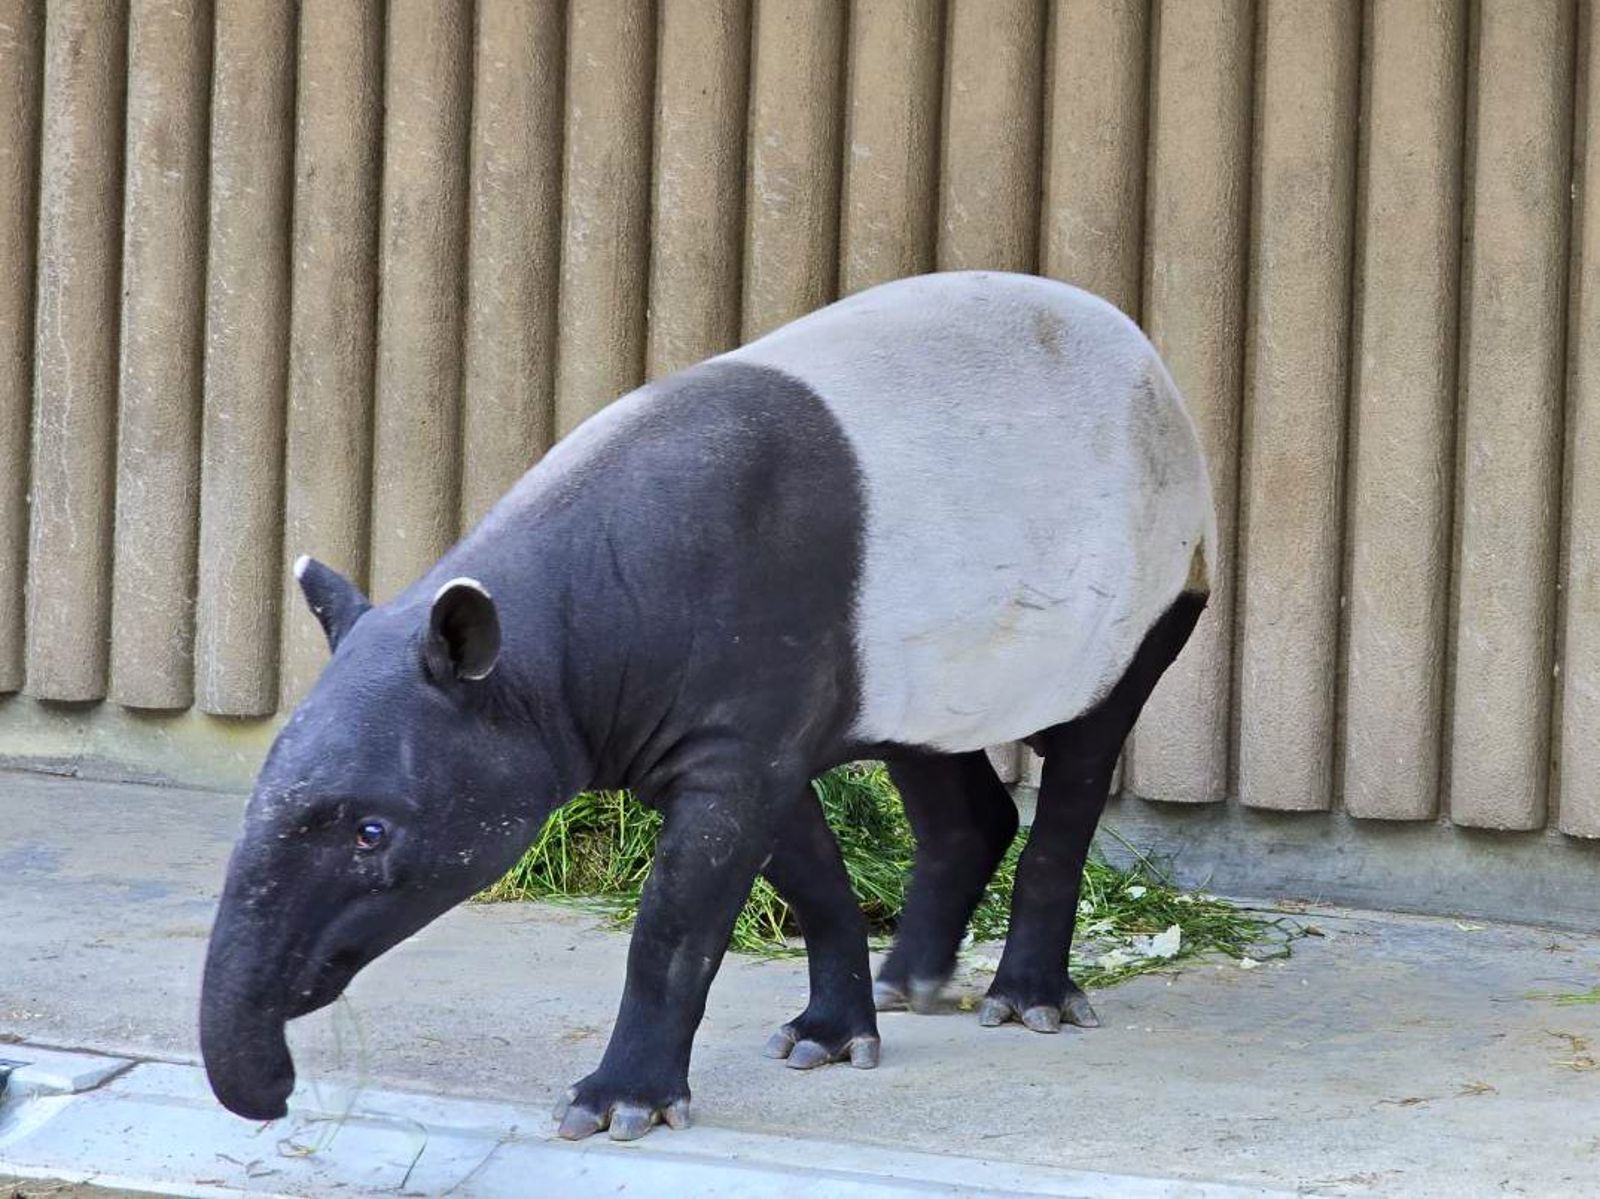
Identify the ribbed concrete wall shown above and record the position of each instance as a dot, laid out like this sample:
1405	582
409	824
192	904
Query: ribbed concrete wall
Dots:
1296	356
246	358
513	247
1092	190
1580	708
78	272
333	325
1196	251
605	206
792	161
697	197
891	157
1402	409
1511	394
163	326
326	278
21	69
422	243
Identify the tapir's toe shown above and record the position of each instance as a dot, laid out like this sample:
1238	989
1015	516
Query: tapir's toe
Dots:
864	1052
630	1121
1076	1010
781	1043
995	1011
564	1103
807	1055
578	1122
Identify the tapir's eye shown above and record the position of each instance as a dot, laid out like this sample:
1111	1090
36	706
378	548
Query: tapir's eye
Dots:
370	834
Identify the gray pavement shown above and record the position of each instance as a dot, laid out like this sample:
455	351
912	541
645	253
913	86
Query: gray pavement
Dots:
1394	1055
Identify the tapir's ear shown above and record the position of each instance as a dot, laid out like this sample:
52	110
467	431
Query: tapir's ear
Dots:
463	632
333	599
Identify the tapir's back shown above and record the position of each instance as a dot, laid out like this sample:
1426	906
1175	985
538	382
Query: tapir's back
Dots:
1036	497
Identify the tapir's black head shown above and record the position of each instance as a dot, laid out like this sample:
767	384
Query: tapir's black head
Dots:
400	787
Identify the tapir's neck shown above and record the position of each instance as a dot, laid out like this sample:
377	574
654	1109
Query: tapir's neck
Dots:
590	660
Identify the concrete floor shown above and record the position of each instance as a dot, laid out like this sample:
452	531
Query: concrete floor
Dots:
1393	1055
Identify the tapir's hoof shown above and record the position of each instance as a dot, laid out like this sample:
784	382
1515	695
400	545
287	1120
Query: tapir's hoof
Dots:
1076	1010
805	1053
1040	1017
920	995
627	1121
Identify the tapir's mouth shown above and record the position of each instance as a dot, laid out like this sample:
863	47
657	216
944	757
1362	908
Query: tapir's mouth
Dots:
324	982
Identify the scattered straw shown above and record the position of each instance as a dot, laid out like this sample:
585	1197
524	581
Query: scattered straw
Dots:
597	849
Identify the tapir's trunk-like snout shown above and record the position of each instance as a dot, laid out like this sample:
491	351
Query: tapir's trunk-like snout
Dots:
243	1008
247	1057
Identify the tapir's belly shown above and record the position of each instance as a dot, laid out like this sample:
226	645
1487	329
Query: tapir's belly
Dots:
1035	498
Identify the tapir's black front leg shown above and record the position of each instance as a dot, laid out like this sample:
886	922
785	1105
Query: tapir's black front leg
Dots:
840	1022
710	849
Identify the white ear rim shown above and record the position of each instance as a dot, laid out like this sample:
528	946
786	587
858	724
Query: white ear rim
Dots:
301	565
466	583
462	581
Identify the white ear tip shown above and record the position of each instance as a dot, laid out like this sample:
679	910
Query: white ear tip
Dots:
462	581
300	566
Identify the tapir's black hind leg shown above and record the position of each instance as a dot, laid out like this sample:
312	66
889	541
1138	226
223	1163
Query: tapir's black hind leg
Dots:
1032	984
964	820
839	1022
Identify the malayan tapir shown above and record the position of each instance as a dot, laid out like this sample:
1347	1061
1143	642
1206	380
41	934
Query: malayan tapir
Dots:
947	512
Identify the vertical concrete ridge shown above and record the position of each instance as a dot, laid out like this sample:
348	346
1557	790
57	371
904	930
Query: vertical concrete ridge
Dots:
1094	158
605	252
246	358
75	351
890	189
1402	459
1579	753
332	330
1512	393
993	115
163	354
697	198
21	76
1195	247
791	261
1291	511
422	253
513	248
